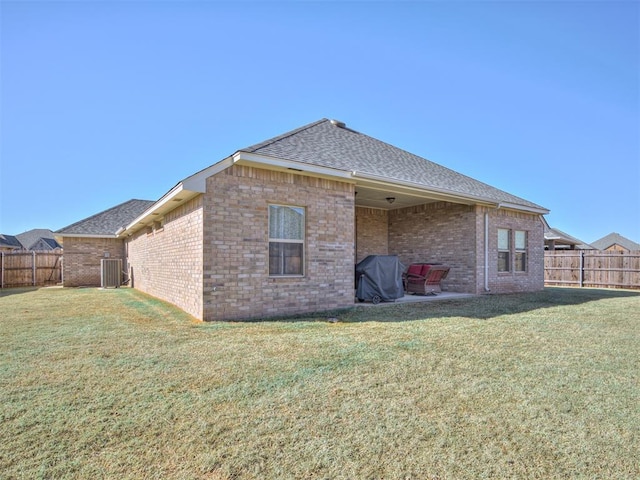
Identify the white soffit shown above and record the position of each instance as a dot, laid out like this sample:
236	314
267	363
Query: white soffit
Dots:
273	163
188	188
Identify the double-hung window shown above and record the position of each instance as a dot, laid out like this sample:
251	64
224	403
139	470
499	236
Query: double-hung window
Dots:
504	249
520	257
512	244
286	240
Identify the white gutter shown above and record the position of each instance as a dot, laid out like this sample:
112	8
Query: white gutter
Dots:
184	190
515	206
84	235
240	157
418	186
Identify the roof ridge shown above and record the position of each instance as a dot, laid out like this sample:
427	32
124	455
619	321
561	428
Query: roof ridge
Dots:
273	140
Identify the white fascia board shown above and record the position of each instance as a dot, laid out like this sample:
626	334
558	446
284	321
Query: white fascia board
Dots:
169	196
144	217
198	181
440	192
252	158
84	235
524	208
183	191
449	194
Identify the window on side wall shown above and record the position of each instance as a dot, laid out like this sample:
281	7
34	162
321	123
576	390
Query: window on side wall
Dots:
520	257
286	240
504	249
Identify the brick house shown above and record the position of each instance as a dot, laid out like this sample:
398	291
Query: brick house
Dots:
276	228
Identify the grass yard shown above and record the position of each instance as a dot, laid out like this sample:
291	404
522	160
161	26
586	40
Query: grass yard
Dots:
115	384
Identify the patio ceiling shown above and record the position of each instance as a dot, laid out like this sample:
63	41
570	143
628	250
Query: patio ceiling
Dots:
375	196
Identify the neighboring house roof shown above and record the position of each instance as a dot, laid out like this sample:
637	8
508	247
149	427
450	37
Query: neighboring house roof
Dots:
108	222
38	239
615	239
327	148
44	244
331	144
9	242
561	238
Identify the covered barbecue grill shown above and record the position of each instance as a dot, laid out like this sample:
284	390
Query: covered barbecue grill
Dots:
379	278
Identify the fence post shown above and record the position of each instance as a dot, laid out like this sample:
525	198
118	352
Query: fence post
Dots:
33	263
581	268
2	271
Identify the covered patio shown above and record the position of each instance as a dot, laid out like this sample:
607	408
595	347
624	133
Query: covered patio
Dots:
418	299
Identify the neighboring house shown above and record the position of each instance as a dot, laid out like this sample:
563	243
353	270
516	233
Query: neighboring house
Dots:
9	243
39	239
276	228
615	241
555	239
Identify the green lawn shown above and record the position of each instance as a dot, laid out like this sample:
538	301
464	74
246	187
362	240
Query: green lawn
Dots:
115	384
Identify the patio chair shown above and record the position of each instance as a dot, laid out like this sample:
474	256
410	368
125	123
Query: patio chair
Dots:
425	278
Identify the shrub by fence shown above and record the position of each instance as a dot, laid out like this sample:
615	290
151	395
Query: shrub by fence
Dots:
592	268
24	269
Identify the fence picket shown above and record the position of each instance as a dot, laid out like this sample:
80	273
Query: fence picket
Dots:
24	269
592	268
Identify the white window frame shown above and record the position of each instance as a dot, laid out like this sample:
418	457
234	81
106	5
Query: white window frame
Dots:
520	250
503	250
301	241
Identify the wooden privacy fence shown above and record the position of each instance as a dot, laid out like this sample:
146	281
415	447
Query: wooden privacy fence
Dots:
25	269
592	268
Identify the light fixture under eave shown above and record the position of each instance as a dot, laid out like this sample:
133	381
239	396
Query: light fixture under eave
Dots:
390	199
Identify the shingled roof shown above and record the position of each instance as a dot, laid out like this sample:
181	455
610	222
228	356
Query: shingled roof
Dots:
330	144
615	239
9	242
561	238
38	239
329	148
108	222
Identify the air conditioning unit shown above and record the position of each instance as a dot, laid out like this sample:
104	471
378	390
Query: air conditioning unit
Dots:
110	272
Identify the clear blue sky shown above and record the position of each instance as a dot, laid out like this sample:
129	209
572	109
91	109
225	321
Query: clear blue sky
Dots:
102	102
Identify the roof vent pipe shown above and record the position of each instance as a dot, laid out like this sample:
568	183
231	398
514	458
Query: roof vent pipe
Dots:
338	123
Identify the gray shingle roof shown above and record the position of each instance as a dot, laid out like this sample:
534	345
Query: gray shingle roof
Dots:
615	239
563	238
323	143
31	237
109	221
9	241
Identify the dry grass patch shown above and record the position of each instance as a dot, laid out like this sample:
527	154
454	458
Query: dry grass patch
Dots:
112	383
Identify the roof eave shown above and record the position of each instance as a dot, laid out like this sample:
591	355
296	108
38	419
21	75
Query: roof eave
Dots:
524	208
252	159
184	191
448	195
84	235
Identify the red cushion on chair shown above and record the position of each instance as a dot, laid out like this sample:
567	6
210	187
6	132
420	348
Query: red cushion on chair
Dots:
414	269
425	269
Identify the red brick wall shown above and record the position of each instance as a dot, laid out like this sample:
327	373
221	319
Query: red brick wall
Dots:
81	259
236	250
167	262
